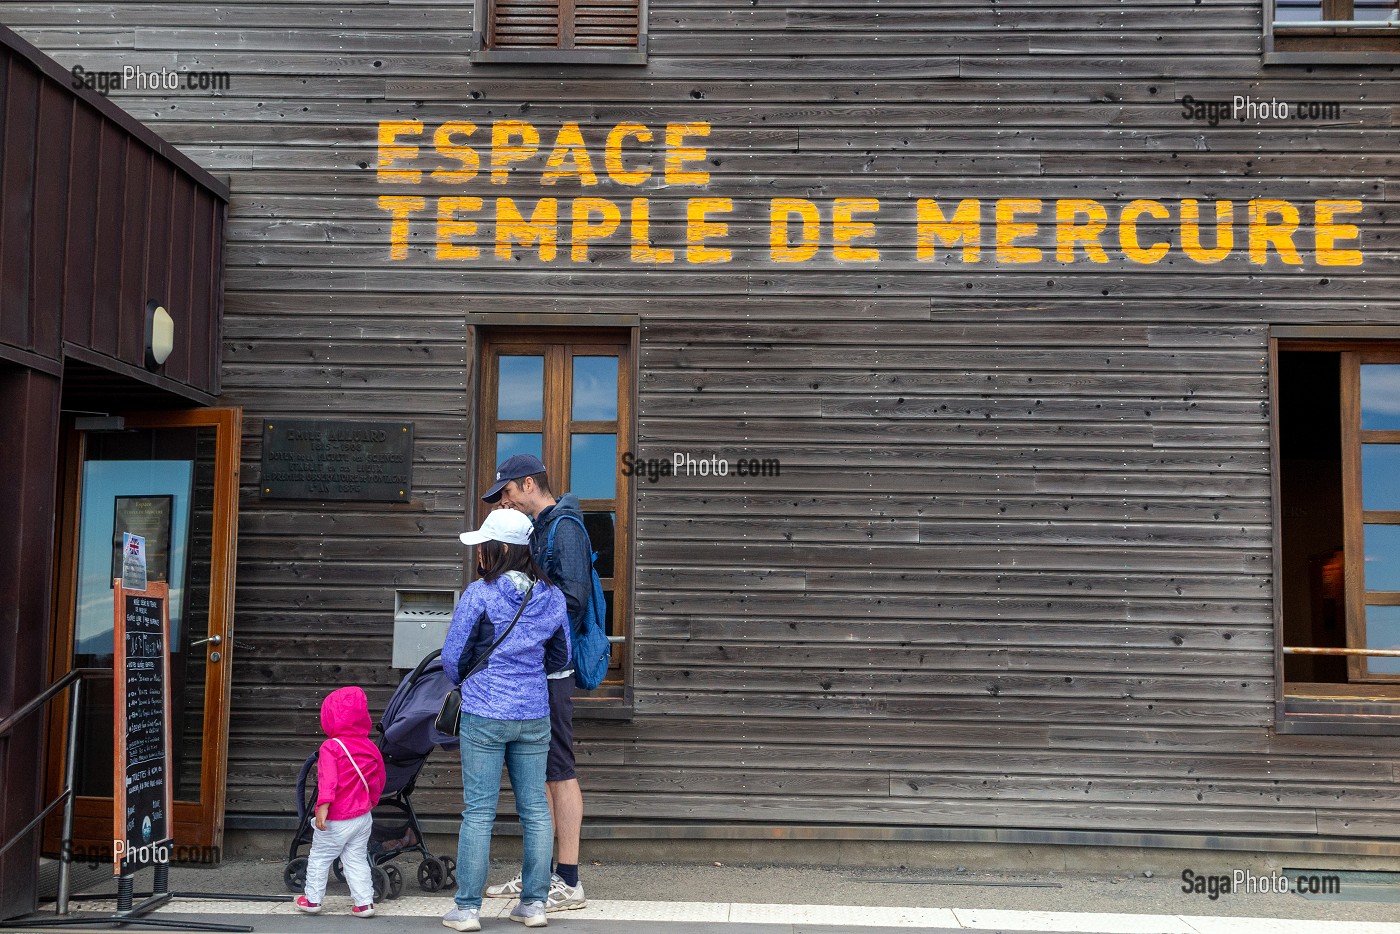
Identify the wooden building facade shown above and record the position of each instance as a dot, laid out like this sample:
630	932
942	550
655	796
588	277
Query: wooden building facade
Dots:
1031	392
111	260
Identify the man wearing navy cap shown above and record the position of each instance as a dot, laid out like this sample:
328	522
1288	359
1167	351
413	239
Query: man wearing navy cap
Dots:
521	484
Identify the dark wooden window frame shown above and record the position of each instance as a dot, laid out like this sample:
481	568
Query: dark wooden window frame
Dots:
1370	707
1303	43
547	334
483	53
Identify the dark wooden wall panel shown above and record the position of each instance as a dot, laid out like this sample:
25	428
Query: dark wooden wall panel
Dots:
29	437
1017	569
85	238
21	103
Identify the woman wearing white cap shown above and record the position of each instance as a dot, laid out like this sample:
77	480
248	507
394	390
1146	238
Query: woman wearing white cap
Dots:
516	620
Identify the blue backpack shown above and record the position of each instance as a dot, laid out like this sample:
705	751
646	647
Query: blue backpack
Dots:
592	649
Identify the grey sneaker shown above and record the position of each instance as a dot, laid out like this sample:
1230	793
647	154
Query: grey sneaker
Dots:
564	897
463	919
530	914
511	889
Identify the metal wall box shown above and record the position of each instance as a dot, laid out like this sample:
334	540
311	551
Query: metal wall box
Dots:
421	618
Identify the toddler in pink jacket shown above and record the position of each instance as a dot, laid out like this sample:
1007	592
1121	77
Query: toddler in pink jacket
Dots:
349	779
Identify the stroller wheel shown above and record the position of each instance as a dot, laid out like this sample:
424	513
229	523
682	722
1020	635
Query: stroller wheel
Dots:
295	874
451	865
432	874
395	880
339	870
381	884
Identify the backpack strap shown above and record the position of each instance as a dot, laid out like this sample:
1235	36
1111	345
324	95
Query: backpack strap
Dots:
549	545
352	763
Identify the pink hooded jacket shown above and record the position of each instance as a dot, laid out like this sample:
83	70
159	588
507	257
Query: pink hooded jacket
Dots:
345	717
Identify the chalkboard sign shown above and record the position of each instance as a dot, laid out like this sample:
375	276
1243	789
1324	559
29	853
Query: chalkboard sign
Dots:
141	784
335	460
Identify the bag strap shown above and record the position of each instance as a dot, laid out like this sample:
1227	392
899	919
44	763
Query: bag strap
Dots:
352	763
486	656
549	545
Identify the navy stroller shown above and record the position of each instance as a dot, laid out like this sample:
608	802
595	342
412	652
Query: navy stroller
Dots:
407	737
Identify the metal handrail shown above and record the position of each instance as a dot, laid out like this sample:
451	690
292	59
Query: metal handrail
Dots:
1309	650
73	679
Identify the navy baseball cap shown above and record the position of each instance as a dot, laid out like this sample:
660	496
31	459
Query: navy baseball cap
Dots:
513	468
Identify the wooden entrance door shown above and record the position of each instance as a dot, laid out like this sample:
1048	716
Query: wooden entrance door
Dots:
172	477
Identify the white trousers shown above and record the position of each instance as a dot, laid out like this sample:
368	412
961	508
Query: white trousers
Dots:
347	841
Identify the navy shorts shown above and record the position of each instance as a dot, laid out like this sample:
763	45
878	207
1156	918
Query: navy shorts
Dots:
559	767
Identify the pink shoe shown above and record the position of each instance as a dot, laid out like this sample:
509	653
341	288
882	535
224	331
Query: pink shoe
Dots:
363	911
307	905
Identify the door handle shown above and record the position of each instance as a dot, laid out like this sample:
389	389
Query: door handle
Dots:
212	640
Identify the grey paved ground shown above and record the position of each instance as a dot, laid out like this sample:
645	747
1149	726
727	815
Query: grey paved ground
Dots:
1125	891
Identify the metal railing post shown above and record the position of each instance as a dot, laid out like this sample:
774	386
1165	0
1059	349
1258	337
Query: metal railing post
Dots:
65	843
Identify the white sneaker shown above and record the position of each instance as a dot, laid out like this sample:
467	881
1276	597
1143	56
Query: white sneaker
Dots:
530	914
564	897
463	919
511	889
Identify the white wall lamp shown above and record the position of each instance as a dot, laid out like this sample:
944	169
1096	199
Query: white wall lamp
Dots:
160	335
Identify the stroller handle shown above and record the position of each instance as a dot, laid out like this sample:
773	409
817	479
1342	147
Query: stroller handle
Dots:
413	676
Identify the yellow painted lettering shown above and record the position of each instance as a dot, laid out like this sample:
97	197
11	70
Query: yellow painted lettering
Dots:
642	250
612	154
781	249
1263	234
399	209
844	229
582	231
541	229
1326	233
390	151
1009	230
698	229
504	153
464	155
1128	232
1068	230
934	228
1191	231
449	226
677	154
569	147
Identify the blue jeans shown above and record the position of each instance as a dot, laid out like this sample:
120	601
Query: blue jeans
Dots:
523	746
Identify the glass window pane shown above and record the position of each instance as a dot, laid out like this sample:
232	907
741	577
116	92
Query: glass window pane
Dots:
512	442
593	466
1380	476
1380	396
595	389
520	388
1383	632
1383	557
600	533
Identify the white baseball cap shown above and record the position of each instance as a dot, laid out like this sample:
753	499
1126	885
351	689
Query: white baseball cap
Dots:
502	525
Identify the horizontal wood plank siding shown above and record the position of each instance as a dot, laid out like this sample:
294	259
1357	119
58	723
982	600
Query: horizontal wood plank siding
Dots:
1017	569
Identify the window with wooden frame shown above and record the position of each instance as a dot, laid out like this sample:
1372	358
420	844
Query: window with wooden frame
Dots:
602	32
566	397
1337	460
1331	31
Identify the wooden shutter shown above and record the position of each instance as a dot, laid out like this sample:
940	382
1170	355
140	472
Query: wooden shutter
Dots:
524	24
564	24
605	24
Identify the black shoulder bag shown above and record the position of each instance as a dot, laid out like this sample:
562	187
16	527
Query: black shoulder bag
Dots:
449	718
